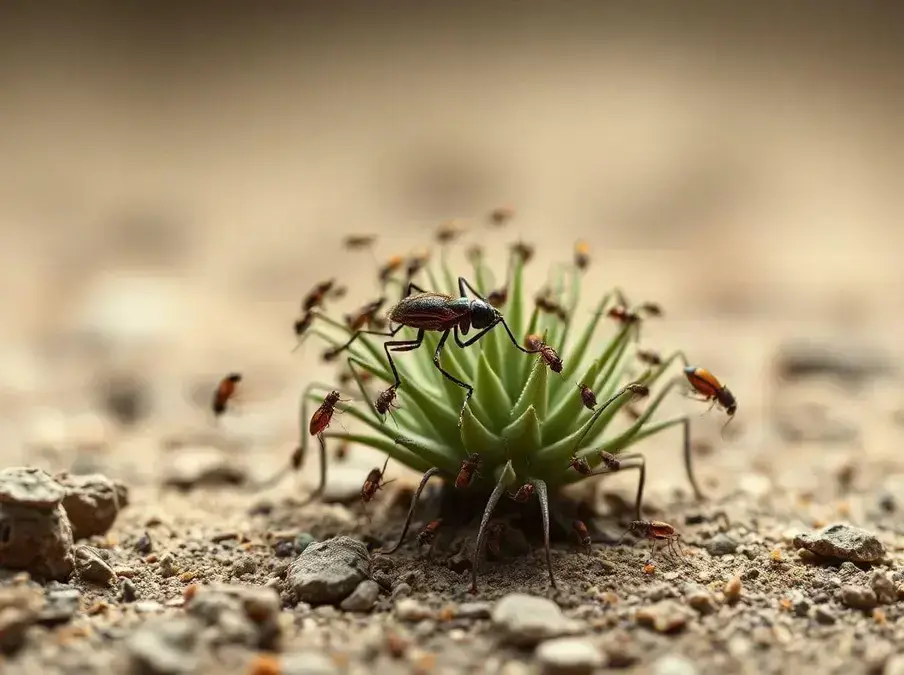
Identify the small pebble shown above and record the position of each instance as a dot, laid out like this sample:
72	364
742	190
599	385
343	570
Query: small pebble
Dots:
568	656
90	566
167	565
700	599
401	590
858	597
284	549
363	598
883	587
329	571
720	545
524	620
409	609
474	610
666	616
127	591
824	615
144	545
303	540
733	589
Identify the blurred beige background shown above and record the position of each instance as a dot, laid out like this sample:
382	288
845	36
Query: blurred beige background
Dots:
174	178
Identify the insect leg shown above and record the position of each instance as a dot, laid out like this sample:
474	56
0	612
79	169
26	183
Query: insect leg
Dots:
417	494
515	340
652	550
463	284
447	375
482	532
637	462
544	512
348	343
401	346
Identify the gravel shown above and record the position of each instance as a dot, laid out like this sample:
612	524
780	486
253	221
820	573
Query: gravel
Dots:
568	656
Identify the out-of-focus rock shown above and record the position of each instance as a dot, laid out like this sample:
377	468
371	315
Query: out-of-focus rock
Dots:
92	502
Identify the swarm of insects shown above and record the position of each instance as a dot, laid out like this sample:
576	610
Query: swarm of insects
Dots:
479	408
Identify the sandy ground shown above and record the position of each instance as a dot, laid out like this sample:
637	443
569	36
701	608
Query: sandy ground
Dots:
753	192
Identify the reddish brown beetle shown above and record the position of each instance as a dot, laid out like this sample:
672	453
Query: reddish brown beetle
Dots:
710	389
224	392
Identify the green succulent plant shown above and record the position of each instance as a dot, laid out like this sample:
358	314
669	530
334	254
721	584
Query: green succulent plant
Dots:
527	425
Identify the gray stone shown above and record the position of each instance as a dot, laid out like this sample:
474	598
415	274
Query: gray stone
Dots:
824	615
91	567
568	656
92	502
38	540
401	590
858	597
799	604
308	663
327	572
127	590
363	598
674	664
700	598
30	487
165	646
883	587
525	620
721	544
843	542
202	466
167	565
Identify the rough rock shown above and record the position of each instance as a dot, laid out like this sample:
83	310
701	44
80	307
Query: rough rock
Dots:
700	598
409	609
19	609
29	487
363	598
525	620
568	656
843	542
327	572
666	616
165	646
91	567
247	615
474	610
884	587
38	540
721	544
858	597
92	502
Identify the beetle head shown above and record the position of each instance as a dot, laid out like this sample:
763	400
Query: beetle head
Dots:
483	315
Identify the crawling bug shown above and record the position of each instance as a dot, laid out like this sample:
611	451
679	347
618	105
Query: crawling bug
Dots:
581	255
427	536
533	342
322	417
523	493
498	297
551	356
374	482
588	398
441	313
655	530
710	389
581	465
466	472
224	392
546	303
501	215
449	231
580	529
386	401
649	357
358	241
390	267
364	316
301	326
650	308
523	250
317	295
